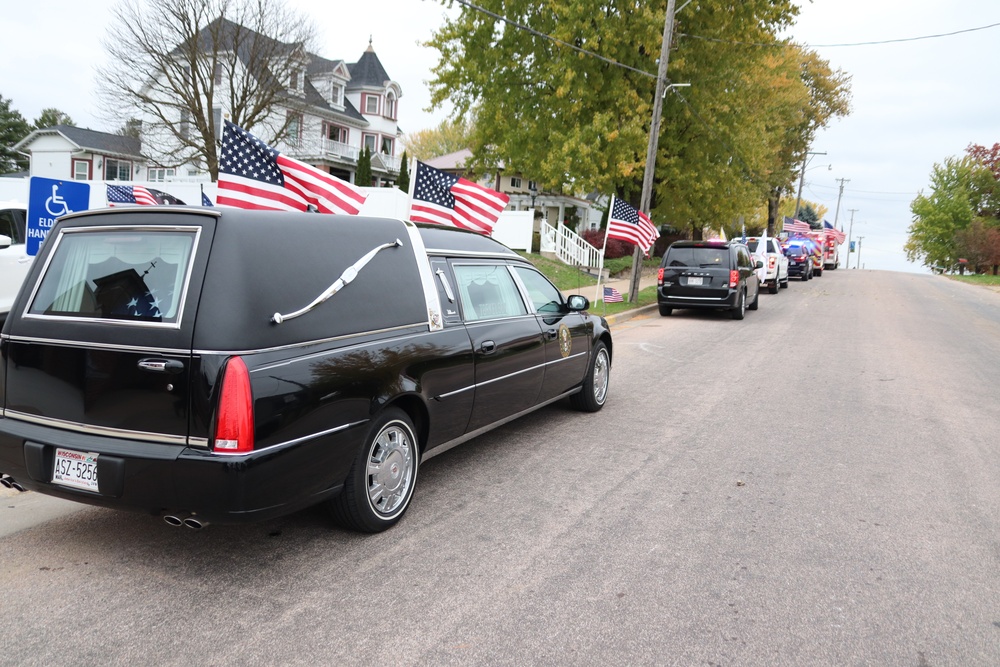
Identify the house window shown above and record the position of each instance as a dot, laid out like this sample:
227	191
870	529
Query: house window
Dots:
294	83
294	135
160	174
117	170
217	74
184	127
390	106
370	140
81	170
532	185
337	96
336	133
387	143
515	182
217	119
371	104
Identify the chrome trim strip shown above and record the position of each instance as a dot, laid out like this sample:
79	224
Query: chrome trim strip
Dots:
96	346
435	314
446	252
198	210
509	375
699	298
97	430
123	323
442	448
289	443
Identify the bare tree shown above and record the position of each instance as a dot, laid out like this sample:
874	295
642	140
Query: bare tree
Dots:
180	66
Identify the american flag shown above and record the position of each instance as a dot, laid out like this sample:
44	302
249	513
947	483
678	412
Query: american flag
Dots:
254	175
795	226
830	230
627	224
611	295
131	194
445	199
205	201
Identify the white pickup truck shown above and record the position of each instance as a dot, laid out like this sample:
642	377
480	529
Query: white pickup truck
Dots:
775	263
14	259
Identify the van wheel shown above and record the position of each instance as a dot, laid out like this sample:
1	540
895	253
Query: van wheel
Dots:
595	386
756	301
665	310
379	487
740	311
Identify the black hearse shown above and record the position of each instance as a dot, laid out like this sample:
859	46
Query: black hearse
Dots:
229	365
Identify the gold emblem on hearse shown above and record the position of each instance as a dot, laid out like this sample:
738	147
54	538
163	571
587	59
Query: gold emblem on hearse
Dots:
565	341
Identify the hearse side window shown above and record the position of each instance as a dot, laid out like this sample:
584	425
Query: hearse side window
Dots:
136	275
488	292
543	294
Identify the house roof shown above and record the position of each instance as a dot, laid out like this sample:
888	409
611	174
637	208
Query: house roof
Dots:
452	161
314	98
368	71
89	140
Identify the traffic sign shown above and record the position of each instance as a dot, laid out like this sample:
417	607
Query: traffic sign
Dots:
49	198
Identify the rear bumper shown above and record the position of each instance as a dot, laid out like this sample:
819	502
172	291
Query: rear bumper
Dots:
673	301
160	478
797	269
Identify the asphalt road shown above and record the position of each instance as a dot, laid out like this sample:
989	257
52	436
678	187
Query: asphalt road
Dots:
814	485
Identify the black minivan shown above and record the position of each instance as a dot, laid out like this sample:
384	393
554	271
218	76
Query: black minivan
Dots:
708	274
224	365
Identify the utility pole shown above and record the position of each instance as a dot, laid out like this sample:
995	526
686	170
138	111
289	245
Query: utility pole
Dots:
849	231
841	194
654	138
860	239
802	178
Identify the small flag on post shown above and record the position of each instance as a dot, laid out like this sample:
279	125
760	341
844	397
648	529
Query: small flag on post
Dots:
830	230
795	226
441	198
253	175
611	295
205	201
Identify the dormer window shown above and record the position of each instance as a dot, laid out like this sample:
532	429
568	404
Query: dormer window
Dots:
337	95
371	104
294	80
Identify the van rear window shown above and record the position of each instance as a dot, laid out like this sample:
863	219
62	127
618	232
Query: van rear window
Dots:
133	274
699	257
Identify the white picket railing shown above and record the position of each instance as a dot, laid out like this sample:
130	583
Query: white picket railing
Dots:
569	246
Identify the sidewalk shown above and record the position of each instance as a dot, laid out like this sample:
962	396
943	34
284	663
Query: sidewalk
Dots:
647	279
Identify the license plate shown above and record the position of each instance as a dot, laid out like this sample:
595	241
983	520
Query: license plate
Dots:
695	280
75	469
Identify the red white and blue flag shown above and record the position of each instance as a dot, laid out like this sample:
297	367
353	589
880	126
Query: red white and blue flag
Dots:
253	175
611	295
796	226
625	223
441	198
139	195
830	230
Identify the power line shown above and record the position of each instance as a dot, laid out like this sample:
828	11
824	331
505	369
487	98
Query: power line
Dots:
829	46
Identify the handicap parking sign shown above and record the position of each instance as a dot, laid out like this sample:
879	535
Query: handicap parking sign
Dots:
49	198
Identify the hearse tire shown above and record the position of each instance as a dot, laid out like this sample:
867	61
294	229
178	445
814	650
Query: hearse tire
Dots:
594	393
380	484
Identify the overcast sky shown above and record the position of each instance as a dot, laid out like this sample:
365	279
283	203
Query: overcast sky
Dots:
915	103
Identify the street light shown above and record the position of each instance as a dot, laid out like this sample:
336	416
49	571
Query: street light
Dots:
859	252
671	86
533	191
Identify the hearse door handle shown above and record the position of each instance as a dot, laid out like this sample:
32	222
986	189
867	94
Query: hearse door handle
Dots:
172	366
552	334
488	347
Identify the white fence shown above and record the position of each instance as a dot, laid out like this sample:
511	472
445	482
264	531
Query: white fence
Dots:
569	246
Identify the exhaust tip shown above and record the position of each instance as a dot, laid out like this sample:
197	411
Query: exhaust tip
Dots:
7	481
17	487
174	521
194	523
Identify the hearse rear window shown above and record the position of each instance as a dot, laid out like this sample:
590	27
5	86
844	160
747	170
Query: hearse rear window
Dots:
134	274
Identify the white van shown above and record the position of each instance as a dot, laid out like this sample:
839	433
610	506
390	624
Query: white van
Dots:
14	259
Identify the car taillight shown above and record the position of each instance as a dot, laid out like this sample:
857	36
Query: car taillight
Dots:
659	276
770	262
734	278
234	420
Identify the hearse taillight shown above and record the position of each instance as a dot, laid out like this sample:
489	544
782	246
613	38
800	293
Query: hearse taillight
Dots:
234	422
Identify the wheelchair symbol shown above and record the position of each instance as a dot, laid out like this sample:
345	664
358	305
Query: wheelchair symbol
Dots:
55	204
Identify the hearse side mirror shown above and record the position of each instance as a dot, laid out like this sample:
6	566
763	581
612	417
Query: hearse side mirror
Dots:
577	302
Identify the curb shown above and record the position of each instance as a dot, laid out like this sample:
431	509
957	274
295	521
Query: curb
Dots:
618	318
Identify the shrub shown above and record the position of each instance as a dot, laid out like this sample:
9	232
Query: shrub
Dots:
614	249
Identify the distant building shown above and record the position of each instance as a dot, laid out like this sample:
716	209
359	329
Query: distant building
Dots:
73	153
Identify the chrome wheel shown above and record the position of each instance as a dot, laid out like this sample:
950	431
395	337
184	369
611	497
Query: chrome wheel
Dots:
602	373
594	391
390	469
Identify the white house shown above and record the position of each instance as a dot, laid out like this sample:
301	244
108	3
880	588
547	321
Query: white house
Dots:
67	152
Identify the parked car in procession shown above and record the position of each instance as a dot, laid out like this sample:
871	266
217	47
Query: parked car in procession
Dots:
775	263
708	274
14	258
225	365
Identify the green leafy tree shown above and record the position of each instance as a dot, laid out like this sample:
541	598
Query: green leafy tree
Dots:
449	136
363	176
13	128
946	209
52	117
578	122
808	214
403	182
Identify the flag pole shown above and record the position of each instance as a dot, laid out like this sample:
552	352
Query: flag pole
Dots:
413	184
604	249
